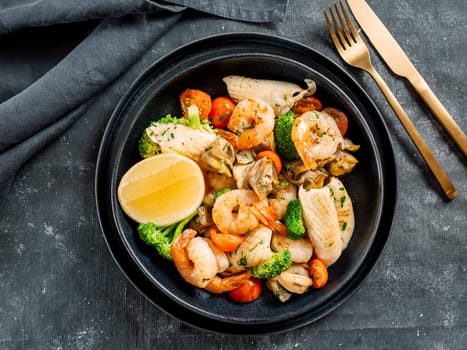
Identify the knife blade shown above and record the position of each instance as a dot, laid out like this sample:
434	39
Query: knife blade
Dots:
400	64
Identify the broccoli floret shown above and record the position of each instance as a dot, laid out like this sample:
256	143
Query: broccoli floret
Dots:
195	122
162	237
283	136
293	219
192	120
168	119
220	193
147	147
278	263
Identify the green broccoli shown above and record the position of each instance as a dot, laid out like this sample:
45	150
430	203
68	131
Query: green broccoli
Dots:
162	237
192	120
220	193
148	148
195	122
278	263
283	137
293	219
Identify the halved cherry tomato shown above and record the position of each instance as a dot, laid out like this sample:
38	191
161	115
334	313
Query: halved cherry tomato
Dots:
247	292
225	241
195	97
318	273
273	156
307	103
340	118
221	110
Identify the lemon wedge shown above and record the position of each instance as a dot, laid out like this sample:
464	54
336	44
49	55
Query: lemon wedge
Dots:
162	189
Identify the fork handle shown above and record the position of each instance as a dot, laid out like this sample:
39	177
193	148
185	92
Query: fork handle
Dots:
435	167
443	116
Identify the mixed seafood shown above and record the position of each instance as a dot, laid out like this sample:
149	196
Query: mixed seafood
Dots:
276	212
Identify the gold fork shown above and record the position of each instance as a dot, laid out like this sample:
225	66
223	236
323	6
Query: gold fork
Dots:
354	51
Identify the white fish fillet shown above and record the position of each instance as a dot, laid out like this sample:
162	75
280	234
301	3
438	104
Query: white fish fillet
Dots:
280	95
320	216
344	209
175	138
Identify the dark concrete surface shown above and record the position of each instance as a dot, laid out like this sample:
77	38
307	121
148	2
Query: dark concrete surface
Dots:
60	288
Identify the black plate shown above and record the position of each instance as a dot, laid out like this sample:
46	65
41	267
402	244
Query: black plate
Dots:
202	64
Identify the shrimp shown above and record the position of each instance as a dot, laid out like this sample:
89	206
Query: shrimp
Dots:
316	138
301	250
280	198
194	259
231	211
222	260
255	249
253	121
268	217
221	285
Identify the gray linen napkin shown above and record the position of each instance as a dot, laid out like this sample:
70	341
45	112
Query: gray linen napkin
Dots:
42	111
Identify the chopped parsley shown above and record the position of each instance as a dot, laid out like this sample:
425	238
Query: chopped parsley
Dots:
243	261
342	199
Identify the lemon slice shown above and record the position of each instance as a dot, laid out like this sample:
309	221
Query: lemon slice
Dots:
162	189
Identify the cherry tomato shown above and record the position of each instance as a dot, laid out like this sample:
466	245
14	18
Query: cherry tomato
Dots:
318	273
340	118
274	157
307	103
195	97
247	292
221	111
225	241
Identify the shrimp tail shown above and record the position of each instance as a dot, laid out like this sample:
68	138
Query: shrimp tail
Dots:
186	236
220	285
230	136
269	218
179	254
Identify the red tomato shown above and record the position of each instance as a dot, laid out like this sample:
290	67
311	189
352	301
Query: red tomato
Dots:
340	118
225	241
247	292
318	273
307	103
195	97
221	110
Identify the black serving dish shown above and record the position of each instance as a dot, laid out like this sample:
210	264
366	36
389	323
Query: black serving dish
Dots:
202	64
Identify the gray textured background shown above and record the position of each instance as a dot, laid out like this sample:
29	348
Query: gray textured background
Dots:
60	288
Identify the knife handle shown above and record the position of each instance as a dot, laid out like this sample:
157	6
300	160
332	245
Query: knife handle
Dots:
443	116
435	167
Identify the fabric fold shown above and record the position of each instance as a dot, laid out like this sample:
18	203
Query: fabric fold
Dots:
35	116
13	160
37	13
42	111
110	49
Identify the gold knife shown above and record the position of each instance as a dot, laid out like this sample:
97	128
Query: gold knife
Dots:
400	64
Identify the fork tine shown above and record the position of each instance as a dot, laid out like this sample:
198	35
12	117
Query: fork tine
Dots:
334	37
343	40
348	36
355	34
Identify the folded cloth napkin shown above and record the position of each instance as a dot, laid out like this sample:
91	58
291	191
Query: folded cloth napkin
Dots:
44	110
